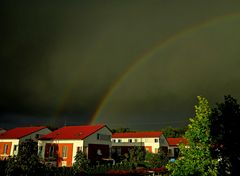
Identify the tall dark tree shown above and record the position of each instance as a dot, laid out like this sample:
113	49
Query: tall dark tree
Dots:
26	162
225	135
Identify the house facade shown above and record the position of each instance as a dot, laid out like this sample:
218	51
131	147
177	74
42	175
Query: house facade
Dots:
10	140
60	147
173	148
148	141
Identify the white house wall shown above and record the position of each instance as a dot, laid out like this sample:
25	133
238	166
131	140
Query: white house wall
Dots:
14	142
33	135
142	141
76	144
92	139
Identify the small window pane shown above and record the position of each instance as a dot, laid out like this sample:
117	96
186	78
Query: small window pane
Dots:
5	149
51	151
64	151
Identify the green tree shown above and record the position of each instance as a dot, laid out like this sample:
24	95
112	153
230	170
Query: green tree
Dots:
26	162
135	156
156	160
173	132
195	158
226	138
81	163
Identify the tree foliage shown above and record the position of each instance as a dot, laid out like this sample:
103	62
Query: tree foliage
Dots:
121	130
81	163
156	160
135	155
173	132
26	162
226	138
195	158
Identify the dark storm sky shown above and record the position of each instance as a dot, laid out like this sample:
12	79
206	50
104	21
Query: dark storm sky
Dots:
137	63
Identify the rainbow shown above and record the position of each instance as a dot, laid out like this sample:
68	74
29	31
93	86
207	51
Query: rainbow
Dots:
141	59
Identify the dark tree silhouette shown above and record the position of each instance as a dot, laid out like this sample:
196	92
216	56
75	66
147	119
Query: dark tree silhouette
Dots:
26	162
225	135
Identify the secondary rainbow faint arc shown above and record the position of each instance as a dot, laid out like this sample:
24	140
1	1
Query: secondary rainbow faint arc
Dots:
150	52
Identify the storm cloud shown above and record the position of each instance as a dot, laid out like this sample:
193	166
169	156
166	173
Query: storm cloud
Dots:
60	60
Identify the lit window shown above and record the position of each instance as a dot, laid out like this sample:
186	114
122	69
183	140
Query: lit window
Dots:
64	151
5	149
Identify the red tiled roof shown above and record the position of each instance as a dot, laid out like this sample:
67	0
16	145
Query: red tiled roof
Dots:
176	141
20	132
73	132
137	134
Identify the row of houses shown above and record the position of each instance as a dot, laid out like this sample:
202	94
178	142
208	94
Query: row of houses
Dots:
59	147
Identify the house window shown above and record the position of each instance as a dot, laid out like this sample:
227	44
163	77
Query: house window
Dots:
170	151
15	148
51	151
104	137
5	149
119	151
79	149
130	140
114	140
40	148
156	140
119	140
64	151
135	140
38	136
